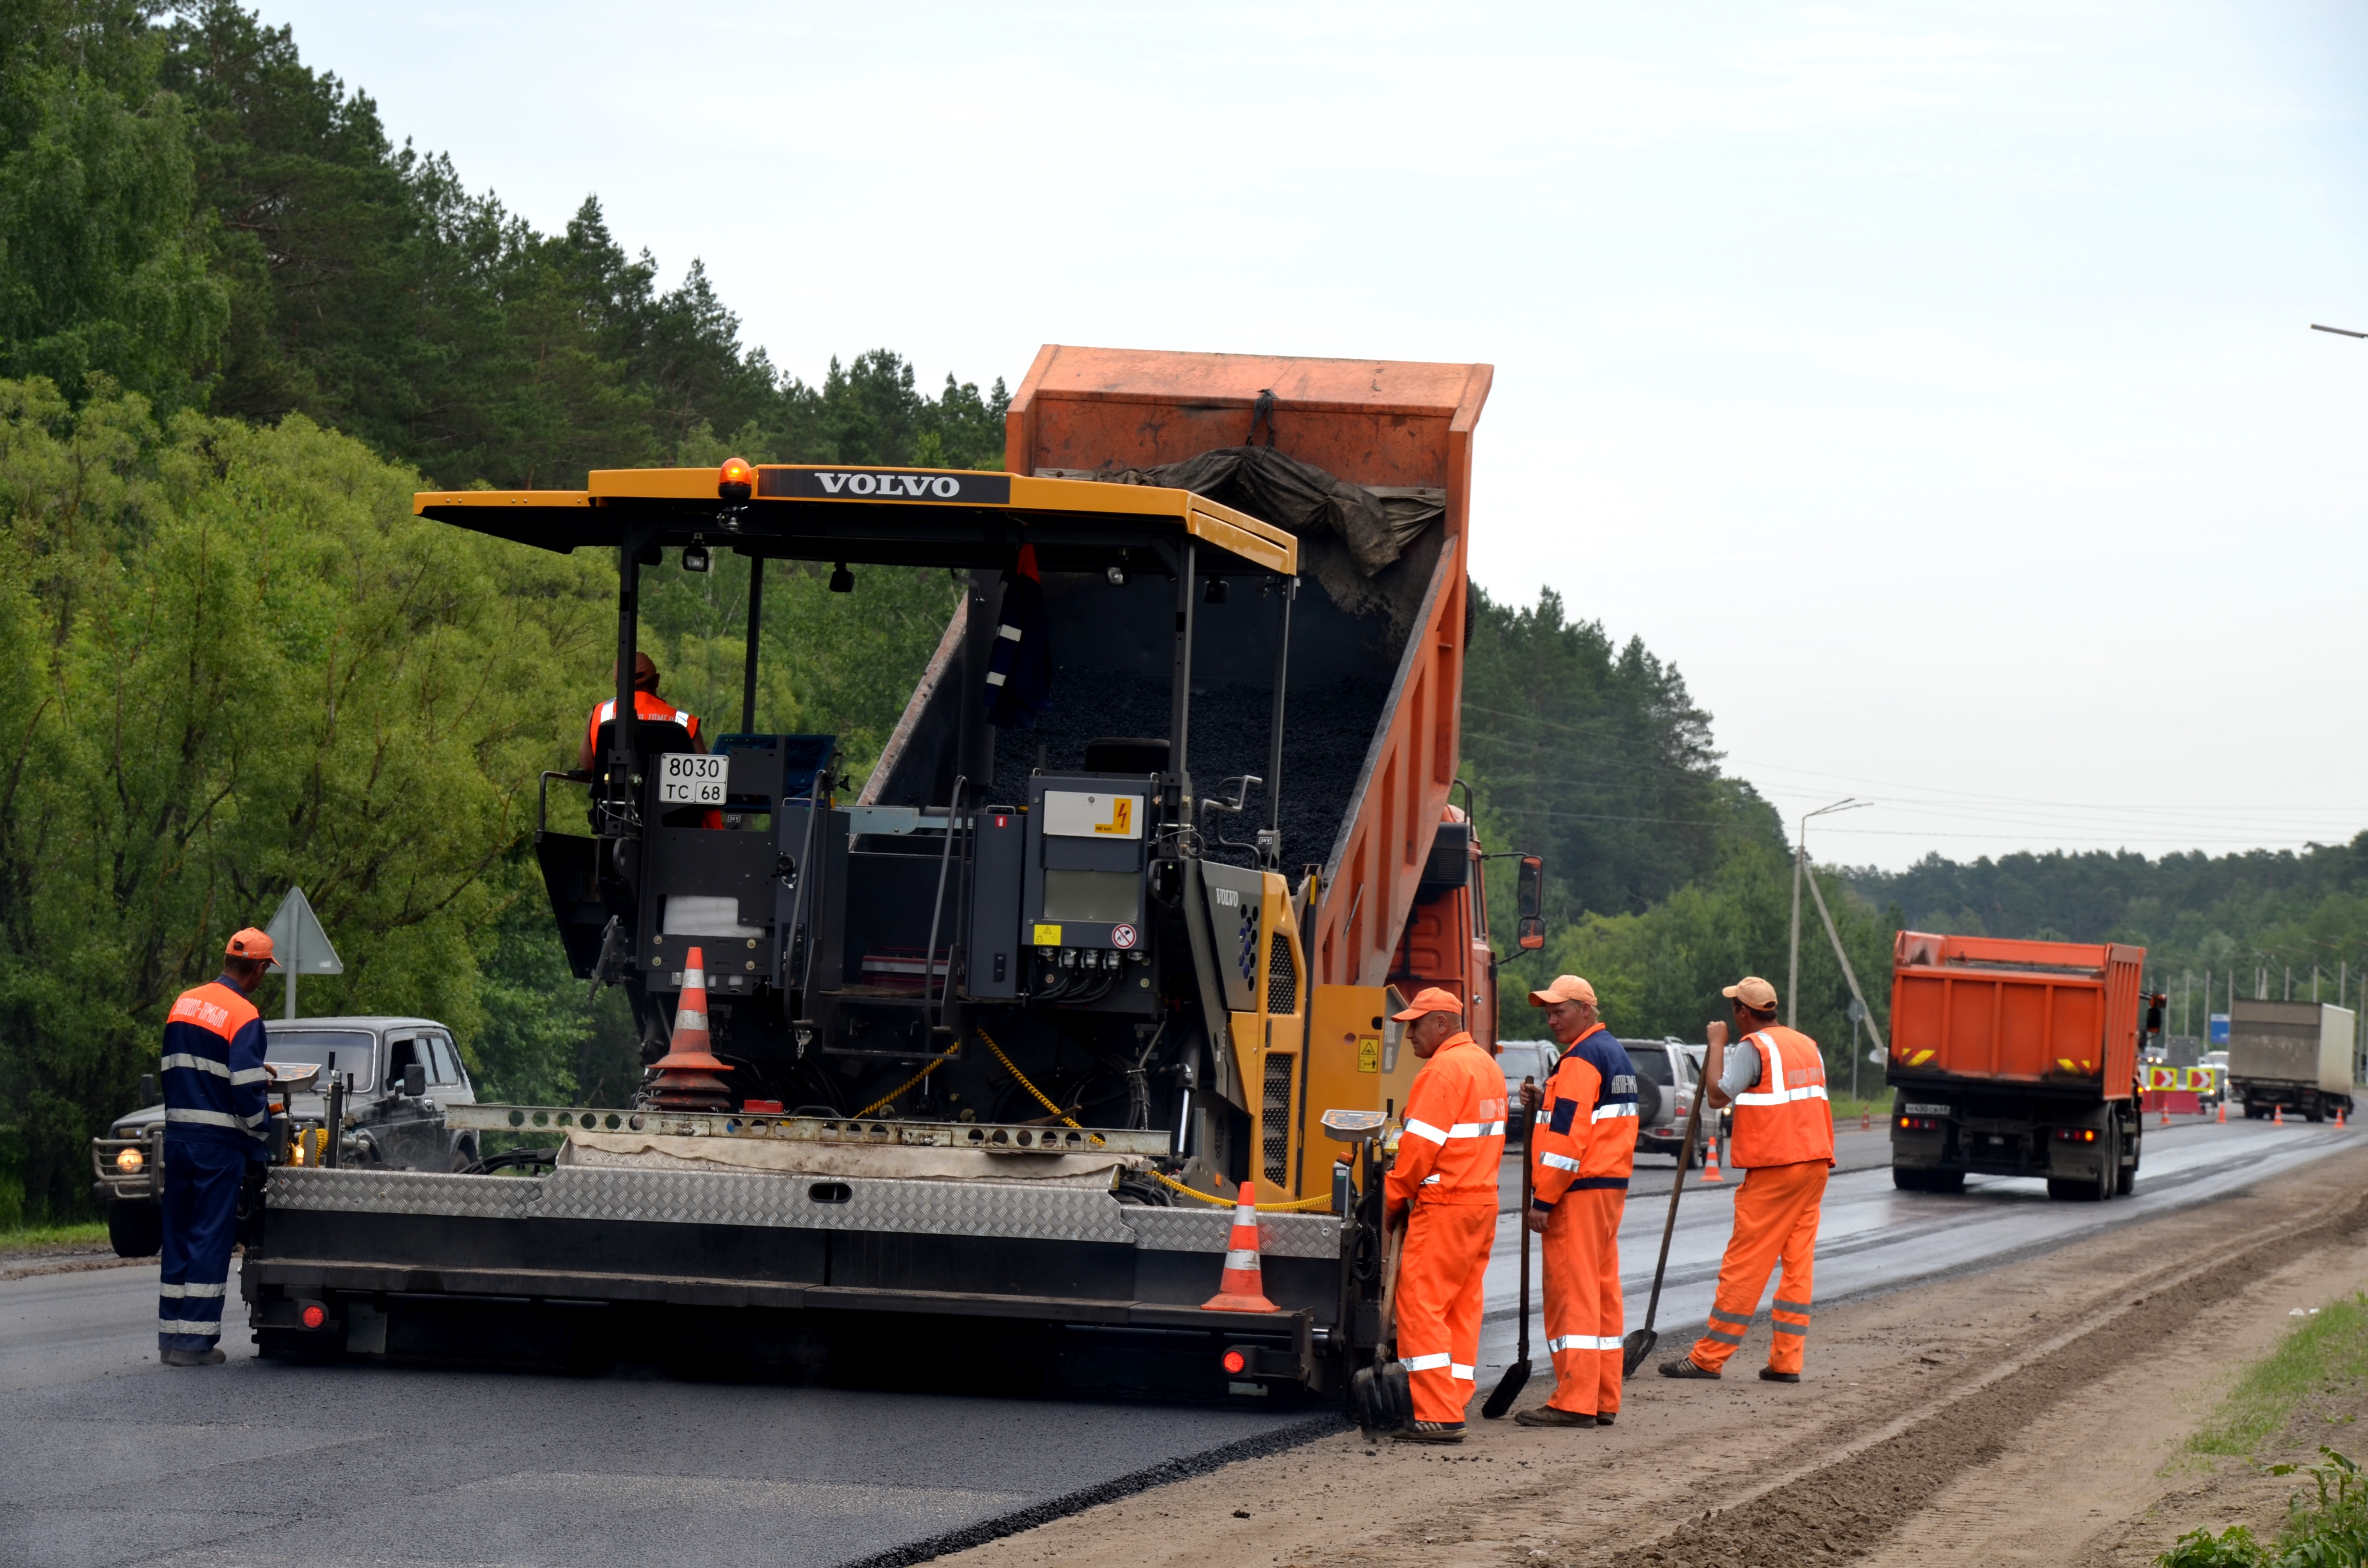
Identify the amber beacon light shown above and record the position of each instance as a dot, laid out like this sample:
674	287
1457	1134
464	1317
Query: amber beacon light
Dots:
736	480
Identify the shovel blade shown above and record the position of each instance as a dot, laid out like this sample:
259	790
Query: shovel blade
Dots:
1635	1349
1509	1389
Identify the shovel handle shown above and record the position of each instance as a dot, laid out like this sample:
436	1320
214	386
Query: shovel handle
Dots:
1528	1130
1394	1243
1669	1228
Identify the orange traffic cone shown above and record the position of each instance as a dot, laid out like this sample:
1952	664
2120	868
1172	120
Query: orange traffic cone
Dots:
1866	1119
2339	1116
687	1072
2224	1113
1710	1161
1241	1289
2165	1111
2278	1116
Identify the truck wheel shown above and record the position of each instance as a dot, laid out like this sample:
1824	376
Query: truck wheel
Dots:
2314	1110
135	1227
2126	1181
1905	1180
1948	1181
2109	1176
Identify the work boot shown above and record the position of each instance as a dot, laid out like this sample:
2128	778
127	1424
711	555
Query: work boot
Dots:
1431	1432
1547	1415
1685	1366
1605	1417
213	1357
1770	1375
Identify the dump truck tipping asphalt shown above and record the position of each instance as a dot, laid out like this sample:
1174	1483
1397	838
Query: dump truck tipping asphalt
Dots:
2013	1058
1003	1031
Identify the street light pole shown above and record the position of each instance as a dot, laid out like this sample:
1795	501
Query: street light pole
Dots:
1800	856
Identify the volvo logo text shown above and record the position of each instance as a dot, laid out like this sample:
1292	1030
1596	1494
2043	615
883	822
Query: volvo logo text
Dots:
872	484
944	486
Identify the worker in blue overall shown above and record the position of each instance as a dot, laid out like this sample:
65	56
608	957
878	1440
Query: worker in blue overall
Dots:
215	1126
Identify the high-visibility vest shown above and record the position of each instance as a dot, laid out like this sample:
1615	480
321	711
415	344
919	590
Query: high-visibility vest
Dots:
646	705
1783	1119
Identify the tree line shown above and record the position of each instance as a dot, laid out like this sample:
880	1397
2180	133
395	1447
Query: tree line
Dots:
2258	915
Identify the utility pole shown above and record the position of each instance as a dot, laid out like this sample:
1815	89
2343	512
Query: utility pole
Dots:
1800	857
2314	982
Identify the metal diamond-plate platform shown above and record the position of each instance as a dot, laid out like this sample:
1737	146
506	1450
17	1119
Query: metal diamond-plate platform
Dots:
401	1192
1208	1229
1032	1212
1020	1210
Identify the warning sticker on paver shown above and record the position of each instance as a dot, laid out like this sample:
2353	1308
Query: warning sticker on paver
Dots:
1073	814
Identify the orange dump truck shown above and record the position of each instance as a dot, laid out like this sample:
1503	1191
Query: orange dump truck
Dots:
2013	1058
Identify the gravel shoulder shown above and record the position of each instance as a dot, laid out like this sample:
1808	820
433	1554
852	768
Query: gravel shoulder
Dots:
2029	1414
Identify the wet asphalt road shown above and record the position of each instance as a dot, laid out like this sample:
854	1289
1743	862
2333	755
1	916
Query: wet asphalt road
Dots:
110	1458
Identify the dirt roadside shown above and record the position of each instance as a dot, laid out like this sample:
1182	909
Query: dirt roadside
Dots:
2032	1413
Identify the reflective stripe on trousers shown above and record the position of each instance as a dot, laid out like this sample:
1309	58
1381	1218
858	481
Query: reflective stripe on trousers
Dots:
1775	1226
1583	1308
201	1224
1441	1271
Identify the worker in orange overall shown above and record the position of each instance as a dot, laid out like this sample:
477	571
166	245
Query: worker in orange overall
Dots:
1783	1140
1583	1149
1443	1187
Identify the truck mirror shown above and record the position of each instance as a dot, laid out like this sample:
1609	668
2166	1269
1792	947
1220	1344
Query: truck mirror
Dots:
149	1092
414	1078
1530	903
2154	1019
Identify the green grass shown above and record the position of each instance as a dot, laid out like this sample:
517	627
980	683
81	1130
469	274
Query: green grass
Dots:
2326	1353
46	1238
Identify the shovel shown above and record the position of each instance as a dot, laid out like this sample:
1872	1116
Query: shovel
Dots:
1381	1395
1517	1376
1640	1342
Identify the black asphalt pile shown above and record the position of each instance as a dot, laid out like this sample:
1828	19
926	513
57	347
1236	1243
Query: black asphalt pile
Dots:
1326	733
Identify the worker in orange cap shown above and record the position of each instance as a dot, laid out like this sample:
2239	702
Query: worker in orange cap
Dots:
215	1126
1583	1149
1784	1140
1444	1186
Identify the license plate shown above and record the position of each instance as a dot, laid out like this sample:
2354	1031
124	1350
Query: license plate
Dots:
691	779
1924	1110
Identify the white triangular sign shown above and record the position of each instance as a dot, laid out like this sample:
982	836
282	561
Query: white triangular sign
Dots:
295	932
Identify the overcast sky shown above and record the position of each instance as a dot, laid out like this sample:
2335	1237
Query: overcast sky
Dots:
1931	383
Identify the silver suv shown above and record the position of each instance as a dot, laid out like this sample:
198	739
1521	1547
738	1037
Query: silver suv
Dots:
1666	1072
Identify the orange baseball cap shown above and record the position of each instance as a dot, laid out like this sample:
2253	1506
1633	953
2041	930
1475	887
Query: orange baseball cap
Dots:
249	944
1753	992
1429	999
1566	988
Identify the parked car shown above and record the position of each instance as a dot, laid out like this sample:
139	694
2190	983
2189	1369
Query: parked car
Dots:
384	1126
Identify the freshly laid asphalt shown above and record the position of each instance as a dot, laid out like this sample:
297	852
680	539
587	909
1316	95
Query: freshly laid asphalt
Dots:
110	1458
